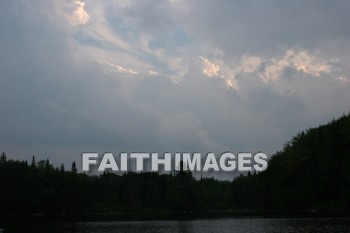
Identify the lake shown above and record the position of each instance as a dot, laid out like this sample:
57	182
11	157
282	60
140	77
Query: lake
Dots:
236	225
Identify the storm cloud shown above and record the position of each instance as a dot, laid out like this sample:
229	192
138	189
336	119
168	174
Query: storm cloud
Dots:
175	76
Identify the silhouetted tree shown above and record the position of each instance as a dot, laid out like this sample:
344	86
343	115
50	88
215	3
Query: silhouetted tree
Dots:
74	168
3	158
33	163
311	172
62	167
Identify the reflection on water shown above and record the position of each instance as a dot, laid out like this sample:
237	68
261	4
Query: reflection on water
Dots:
236	225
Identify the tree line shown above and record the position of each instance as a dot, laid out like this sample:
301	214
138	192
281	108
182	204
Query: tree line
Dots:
312	172
39	187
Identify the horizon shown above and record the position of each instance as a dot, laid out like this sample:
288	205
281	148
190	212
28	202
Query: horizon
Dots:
191	158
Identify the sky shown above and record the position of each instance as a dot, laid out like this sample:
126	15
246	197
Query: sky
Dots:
168	76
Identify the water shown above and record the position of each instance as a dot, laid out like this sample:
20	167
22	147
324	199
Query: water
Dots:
236	225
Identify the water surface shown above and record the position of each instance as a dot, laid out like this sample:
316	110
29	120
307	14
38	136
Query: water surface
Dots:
236	225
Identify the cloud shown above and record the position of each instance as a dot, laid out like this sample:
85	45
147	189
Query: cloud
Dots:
210	69
237	27
122	69
272	69
344	79
268	69
80	16
168	75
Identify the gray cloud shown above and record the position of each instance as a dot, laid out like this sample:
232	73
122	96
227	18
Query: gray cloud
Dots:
237	26
167	76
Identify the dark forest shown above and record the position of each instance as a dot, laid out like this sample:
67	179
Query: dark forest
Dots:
311	173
